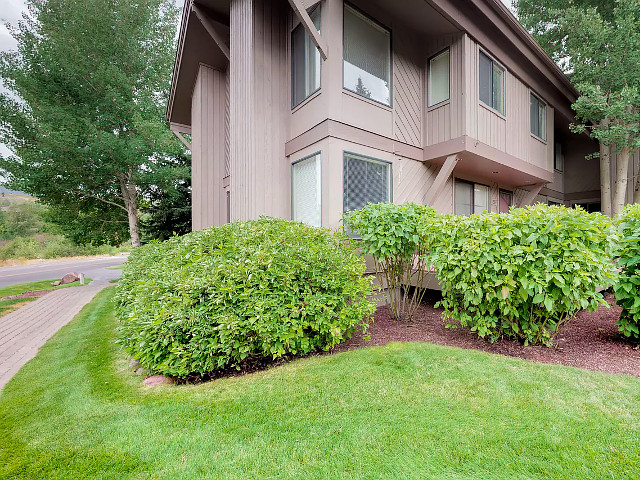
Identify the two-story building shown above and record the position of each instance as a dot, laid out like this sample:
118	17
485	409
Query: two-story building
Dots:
306	109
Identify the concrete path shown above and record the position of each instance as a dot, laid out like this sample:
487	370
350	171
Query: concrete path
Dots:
25	330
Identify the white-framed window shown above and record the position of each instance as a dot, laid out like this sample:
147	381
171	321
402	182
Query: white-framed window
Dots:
491	78
366	57
538	117
470	198
305	62
306	190
438	78
365	180
558	157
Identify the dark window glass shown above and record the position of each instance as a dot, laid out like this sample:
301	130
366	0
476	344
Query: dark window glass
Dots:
491	79
305	62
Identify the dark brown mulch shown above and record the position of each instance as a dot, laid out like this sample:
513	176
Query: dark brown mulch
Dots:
590	341
29	294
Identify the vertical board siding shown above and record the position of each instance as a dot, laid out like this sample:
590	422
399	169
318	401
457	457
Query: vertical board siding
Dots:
259	172
408	92
227	124
510	133
445	122
208	148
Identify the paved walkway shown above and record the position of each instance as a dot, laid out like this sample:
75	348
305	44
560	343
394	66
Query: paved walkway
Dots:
25	330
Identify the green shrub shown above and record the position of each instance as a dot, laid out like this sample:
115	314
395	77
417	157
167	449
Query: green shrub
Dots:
394	236
627	288
523	274
212	299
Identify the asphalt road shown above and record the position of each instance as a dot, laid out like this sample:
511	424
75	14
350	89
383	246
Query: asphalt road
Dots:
94	268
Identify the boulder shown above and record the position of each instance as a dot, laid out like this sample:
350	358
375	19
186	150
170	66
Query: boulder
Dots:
69	278
56	283
157	380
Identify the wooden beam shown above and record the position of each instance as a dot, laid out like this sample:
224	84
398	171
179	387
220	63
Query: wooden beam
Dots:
531	195
178	130
443	175
311	29
208	25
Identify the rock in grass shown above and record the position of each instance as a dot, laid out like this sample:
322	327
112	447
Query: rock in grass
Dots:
155	380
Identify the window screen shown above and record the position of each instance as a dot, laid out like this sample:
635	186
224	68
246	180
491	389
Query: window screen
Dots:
367	57
305	62
365	181
538	117
558	158
480	198
306	191
439	78
463	198
470	198
491	79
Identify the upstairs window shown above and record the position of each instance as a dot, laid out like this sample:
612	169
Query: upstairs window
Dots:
538	118
366	180
366	57
438	84
558	158
470	198
492	82
305	62
306	196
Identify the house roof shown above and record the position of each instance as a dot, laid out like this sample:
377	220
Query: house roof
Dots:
490	22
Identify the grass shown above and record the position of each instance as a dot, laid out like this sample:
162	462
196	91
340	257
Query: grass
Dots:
8	306
400	411
115	267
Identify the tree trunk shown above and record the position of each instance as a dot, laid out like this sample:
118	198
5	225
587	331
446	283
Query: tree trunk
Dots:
636	194
605	178
622	170
130	196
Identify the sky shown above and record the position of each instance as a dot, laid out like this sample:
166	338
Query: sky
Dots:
11	12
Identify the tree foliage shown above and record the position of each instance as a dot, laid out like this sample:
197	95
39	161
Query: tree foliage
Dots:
84	115
598	45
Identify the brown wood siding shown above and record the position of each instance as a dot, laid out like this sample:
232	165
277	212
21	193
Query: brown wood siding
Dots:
260	176
227	124
511	132
208	148
445	121
408	91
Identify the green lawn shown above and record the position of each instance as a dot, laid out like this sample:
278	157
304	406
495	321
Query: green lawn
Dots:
7	306
401	411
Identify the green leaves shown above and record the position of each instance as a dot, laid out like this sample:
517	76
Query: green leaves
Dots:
627	289
399	238
525	273
251	290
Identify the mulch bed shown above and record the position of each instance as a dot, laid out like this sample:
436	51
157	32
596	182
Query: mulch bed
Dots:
590	341
29	294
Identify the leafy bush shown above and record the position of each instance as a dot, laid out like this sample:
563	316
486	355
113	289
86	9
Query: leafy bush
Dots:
212	299
394	237
523	274
627	288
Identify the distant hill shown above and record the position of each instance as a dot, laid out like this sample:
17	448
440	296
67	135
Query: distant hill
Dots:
5	190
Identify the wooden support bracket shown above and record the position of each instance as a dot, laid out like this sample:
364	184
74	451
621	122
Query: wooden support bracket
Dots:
208	25
531	195
443	175
178	130
311	29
